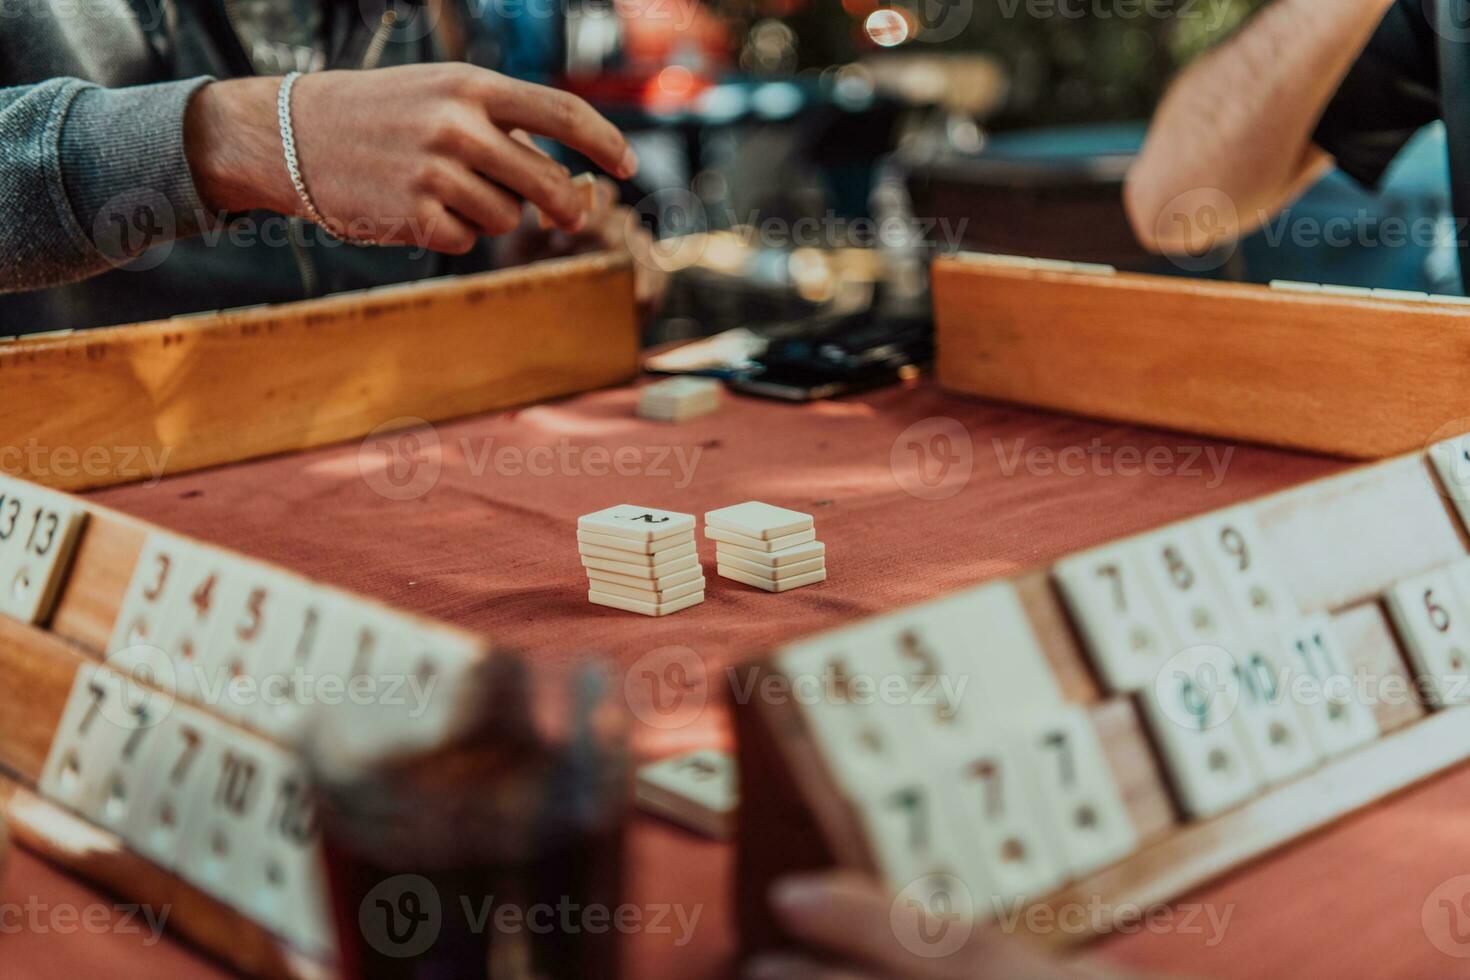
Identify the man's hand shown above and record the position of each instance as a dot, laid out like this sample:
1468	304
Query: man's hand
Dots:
851	931
609	227
419	155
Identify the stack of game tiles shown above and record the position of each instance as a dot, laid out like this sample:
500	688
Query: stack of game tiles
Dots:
679	398
640	559
769	547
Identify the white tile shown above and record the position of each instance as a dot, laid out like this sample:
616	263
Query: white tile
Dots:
1451	460
775	573
910	822
677	389
189	616
40	530
639	523
673	580
660	557
295	654
1193	601
176	779
222	835
156	596
696	584
1248	572
1271	723
1434	621
1001	807
1337	714
254	604
1290	286
625	545
771	585
1401	295
1193	714
777	559
665	570
644	608
755	519
1119	619
106	718
698	790
767	545
1084	811
281	879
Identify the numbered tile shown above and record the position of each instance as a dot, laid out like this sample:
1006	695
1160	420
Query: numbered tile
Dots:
223	834
908	824
1083	811
246	625
294	654
1431	617
1272	723
1120	621
697	790
1236	552
1002	809
836	682
154	592
1193	712
105	723
1452	462
176	780
1336	716
38	534
187	620
1194	604
282	882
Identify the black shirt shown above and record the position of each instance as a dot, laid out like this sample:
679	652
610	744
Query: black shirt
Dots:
1420	51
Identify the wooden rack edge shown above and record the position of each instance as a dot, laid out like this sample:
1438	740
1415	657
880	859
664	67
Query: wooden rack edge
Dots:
1232	360
111	406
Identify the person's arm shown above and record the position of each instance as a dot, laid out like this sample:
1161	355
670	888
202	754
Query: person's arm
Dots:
76	159
1237	125
419	155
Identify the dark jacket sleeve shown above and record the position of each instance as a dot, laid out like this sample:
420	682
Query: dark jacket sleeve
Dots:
90	177
1390	93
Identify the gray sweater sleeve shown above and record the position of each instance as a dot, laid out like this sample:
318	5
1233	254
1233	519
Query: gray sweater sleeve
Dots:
90	177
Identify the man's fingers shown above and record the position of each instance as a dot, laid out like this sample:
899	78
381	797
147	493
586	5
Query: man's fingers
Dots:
566	119
488	208
443	231
535	177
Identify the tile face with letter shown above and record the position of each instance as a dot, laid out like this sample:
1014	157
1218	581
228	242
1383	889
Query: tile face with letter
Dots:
695	789
1434	622
1106	592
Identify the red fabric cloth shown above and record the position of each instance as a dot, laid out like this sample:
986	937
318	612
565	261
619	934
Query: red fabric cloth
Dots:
492	547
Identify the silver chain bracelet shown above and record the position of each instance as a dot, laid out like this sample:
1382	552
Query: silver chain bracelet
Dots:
293	165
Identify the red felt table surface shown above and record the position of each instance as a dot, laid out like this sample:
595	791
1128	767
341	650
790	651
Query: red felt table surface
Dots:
482	534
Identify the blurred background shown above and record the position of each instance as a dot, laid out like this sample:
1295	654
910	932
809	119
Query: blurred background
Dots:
792	128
